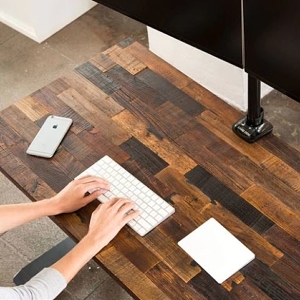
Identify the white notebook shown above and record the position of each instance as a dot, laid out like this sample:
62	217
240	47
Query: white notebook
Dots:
216	250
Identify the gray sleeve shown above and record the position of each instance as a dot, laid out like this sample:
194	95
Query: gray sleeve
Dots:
47	284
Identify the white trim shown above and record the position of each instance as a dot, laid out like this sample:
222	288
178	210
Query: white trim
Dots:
19	26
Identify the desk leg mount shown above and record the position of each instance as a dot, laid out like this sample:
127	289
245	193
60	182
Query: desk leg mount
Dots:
253	126
252	131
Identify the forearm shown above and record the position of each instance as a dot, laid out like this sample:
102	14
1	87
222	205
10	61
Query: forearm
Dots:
76	258
13	215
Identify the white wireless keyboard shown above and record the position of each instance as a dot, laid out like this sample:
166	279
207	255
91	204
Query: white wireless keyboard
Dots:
153	208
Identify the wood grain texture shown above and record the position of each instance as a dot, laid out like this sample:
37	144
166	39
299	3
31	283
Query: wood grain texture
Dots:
176	137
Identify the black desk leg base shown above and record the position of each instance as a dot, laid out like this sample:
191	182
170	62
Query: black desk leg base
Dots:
252	131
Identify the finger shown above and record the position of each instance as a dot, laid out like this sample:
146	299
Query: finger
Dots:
92	196
93	187
83	177
131	215
125	205
113	201
86	179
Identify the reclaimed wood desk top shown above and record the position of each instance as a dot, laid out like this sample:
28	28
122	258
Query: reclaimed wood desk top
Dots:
176	137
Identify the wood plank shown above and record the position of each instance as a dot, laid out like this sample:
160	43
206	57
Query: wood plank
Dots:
213	103
158	65
284	172
163	147
23	177
135	251
274	209
264	178
52	104
93	94
144	157
283	241
142	286
289	269
95	116
233	202
193	144
46	171
57	86
217	125
134	86
174	257
178	183
248	290
269	283
125	59
8	136
98	78
32	108
170	284
187	218
13	116
170	92
237	171
99	143
208	287
159	122
283	151
103	62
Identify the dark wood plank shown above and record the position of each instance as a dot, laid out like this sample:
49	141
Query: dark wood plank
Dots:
168	91
270	283
146	159
283	241
136	87
217	191
170	284
248	290
98	78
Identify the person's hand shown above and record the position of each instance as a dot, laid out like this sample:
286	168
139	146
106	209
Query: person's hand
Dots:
108	219
78	193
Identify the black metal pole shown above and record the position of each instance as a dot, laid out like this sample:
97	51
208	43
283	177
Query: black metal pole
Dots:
253	126
254	109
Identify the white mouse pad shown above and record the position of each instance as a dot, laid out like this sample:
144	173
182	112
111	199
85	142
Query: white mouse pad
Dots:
216	250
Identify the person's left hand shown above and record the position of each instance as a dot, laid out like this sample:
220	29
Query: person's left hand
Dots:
78	193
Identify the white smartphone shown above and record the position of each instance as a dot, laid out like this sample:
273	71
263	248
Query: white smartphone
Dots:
49	136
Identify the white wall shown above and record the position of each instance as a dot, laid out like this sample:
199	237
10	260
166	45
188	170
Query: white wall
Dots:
223	79
39	19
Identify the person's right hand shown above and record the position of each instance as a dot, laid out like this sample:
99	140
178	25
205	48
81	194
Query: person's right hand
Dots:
108	219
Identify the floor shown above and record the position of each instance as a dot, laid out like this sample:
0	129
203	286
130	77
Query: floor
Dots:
25	66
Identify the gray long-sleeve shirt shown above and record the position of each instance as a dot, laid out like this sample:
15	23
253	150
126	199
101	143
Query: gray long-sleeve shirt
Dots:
47	284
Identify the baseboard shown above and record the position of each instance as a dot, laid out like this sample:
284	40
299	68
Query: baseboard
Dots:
19	26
